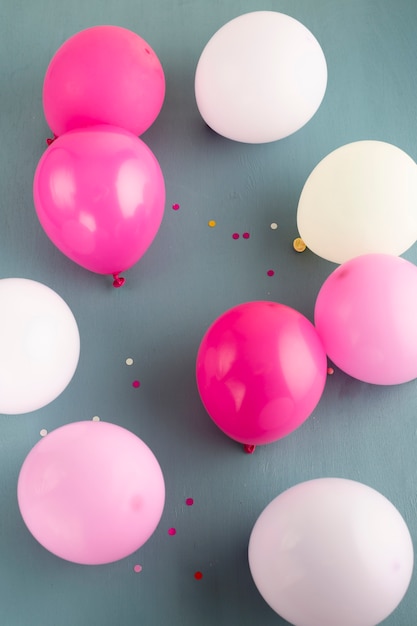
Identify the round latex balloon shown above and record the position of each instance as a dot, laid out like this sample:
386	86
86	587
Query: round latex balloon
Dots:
40	345
360	199
331	551
366	313
99	194
91	492
103	75
261	370
260	78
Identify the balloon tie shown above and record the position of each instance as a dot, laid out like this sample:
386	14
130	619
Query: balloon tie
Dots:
249	448
50	140
119	281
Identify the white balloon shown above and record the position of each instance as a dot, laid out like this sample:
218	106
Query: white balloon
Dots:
329	552
361	198
40	345
260	78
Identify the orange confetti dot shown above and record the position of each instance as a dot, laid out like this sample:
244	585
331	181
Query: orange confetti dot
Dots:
299	245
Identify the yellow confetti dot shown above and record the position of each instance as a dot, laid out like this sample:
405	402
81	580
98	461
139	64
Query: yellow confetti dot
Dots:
299	245
212	223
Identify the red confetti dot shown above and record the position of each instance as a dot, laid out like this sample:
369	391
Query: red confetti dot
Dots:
235	235
189	502
330	371
176	206
270	273
246	235
136	384
198	575
172	531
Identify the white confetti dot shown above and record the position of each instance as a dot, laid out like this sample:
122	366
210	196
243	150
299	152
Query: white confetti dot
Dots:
274	225
43	432
129	361
96	418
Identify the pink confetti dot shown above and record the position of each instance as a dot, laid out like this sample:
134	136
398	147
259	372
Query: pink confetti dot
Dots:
198	575
189	501
235	235
136	384
172	531
176	206
330	371
137	568
246	235
270	273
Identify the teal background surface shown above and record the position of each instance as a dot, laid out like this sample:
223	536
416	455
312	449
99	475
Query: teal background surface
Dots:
190	275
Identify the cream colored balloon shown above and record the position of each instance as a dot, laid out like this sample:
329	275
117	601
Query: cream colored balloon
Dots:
361	198
260	78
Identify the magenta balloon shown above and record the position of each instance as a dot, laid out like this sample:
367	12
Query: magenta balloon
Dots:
261	370
103	75
366	315
99	194
91	492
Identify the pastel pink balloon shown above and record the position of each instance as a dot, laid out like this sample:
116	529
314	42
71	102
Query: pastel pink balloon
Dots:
366	315
91	492
99	194
103	75
261	370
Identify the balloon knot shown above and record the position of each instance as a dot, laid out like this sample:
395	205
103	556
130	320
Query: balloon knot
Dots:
50	140
119	281
249	448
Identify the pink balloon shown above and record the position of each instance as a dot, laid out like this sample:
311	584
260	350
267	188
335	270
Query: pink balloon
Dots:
261	370
91	492
366	315
103	75
99	194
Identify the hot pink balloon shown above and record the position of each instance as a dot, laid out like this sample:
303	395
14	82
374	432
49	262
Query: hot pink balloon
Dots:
261	370
103	75
91	492
99	194
366	314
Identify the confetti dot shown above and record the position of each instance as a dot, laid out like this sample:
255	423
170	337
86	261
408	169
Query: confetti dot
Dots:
43	432
198	575
212	223
129	361
189	501
172	531
246	235
274	225
137	568
330	371
96	418
270	273
176	206
299	245
235	235
136	384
